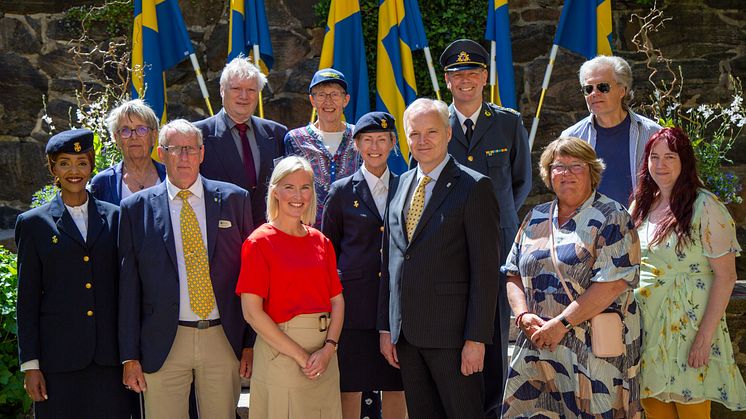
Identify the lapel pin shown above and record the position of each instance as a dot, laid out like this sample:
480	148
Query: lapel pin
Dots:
216	199
54	239
448	185
487	113
356	204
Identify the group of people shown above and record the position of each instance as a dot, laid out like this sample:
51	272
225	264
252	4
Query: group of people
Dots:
298	259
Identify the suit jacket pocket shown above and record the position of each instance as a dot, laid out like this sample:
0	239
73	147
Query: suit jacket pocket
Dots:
498	159
451	288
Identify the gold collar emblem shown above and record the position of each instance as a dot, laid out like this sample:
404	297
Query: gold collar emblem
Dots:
355	204
77	147
463	57
54	239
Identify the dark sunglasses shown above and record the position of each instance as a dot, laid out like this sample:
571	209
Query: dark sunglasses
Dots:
601	87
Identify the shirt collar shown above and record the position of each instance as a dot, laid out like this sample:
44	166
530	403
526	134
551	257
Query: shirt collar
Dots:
196	189
435	173
372	179
82	208
461	117
230	123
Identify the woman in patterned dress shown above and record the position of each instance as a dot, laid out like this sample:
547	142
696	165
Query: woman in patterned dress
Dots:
554	372
687	275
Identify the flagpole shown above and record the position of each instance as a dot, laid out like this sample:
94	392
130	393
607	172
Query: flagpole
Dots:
201	81
433	77
256	62
544	86
493	70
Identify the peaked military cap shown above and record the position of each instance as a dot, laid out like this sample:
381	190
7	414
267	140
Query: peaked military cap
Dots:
463	54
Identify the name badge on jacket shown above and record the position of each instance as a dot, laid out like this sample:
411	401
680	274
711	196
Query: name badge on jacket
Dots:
224	224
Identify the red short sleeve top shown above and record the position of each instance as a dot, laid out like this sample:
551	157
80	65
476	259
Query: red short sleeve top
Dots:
294	275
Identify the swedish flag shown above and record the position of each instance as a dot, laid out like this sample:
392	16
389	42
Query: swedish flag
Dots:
248	27
585	27
159	42
344	50
498	30
400	31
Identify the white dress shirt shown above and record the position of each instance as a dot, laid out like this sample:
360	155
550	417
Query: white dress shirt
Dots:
462	118
197	202
434	175
379	187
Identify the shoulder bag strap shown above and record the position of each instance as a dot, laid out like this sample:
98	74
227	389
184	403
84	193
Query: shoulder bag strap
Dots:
553	253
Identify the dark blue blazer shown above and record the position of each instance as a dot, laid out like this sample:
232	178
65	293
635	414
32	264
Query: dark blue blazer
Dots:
149	286
441	287
107	184
223	161
352	222
67	287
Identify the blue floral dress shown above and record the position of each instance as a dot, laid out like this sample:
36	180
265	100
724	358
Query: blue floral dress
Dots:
597	244
673	294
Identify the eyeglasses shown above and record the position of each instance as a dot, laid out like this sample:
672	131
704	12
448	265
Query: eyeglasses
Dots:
139	130
322	96
178	150
601	87
576	168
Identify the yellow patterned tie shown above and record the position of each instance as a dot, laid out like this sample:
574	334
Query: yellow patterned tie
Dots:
416	206
201	297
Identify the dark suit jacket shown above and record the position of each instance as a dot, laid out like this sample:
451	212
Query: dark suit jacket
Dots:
63	278
149	286
223	161
107	184
352	222
441	288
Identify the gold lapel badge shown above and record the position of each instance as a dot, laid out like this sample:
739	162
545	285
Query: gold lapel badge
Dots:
463	57
487	113
77	147
54	239
356	204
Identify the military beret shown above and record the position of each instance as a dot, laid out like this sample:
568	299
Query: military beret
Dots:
71	141
374	122
328	75
463	54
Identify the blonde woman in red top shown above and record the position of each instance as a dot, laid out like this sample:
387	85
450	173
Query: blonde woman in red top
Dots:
292	296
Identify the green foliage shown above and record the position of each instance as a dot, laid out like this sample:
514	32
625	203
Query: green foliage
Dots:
114	16
43	195
13	399
444	21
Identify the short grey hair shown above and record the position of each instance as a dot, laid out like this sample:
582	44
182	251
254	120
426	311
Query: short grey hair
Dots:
425	104
135	108
180	126
621	69
285	167
242	68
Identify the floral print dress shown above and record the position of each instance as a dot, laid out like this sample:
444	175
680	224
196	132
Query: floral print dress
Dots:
597	244
673	294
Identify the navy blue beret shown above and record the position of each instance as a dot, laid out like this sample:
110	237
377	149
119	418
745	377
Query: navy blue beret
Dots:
328	75
71	141
464	54
374	122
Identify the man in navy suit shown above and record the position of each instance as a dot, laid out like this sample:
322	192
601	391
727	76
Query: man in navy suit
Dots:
179	316
240	148
440	271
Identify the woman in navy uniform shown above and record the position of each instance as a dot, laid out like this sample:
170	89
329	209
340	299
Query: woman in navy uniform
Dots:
353	221
67	293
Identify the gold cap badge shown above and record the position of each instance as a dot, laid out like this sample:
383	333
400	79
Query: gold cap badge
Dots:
384	124
463	57
77	147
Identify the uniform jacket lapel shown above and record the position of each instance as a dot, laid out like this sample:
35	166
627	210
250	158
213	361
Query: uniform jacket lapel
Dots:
361	189
457	132
484	122
95	221
65	223
162	216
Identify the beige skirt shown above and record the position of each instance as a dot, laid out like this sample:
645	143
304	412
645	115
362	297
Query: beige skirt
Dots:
280	390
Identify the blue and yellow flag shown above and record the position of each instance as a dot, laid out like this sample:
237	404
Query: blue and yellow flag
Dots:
344	51
585	27
498	30
159	42
400	31
248	27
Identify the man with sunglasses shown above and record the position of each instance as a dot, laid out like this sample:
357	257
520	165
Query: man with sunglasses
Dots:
240	148
491	140
616	133
180	320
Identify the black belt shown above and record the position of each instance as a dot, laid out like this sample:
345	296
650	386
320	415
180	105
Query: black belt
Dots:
200	324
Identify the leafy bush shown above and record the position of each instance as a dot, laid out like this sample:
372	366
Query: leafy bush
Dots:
13	399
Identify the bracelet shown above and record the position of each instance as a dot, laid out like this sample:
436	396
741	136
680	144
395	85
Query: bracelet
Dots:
333	342
518	318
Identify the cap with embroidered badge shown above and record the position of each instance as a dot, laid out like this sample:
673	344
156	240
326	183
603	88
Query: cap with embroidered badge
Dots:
374	122
70	141
328	75
463	54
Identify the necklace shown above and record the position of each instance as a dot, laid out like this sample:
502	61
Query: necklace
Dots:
141	182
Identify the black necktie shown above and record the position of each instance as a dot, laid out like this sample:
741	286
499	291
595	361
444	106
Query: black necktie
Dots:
469	129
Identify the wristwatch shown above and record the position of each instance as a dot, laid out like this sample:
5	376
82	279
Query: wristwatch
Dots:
565	323
333	342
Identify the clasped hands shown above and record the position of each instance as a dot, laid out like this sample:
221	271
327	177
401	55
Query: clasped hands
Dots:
544	334
315	364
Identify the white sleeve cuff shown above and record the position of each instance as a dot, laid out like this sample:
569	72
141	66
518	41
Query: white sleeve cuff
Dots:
30	365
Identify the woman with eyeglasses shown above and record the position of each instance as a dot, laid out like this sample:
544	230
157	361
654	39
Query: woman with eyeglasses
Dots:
134	128
326	143
687	274
617	134
573	258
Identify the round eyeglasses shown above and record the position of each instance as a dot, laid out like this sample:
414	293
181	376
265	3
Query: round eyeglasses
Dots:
139	130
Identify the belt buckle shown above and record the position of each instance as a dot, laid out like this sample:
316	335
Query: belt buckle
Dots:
203	324
323	323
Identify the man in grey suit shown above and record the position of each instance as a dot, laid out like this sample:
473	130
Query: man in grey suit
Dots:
440	272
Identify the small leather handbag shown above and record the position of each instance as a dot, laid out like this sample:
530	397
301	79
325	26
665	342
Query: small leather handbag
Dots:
607	330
